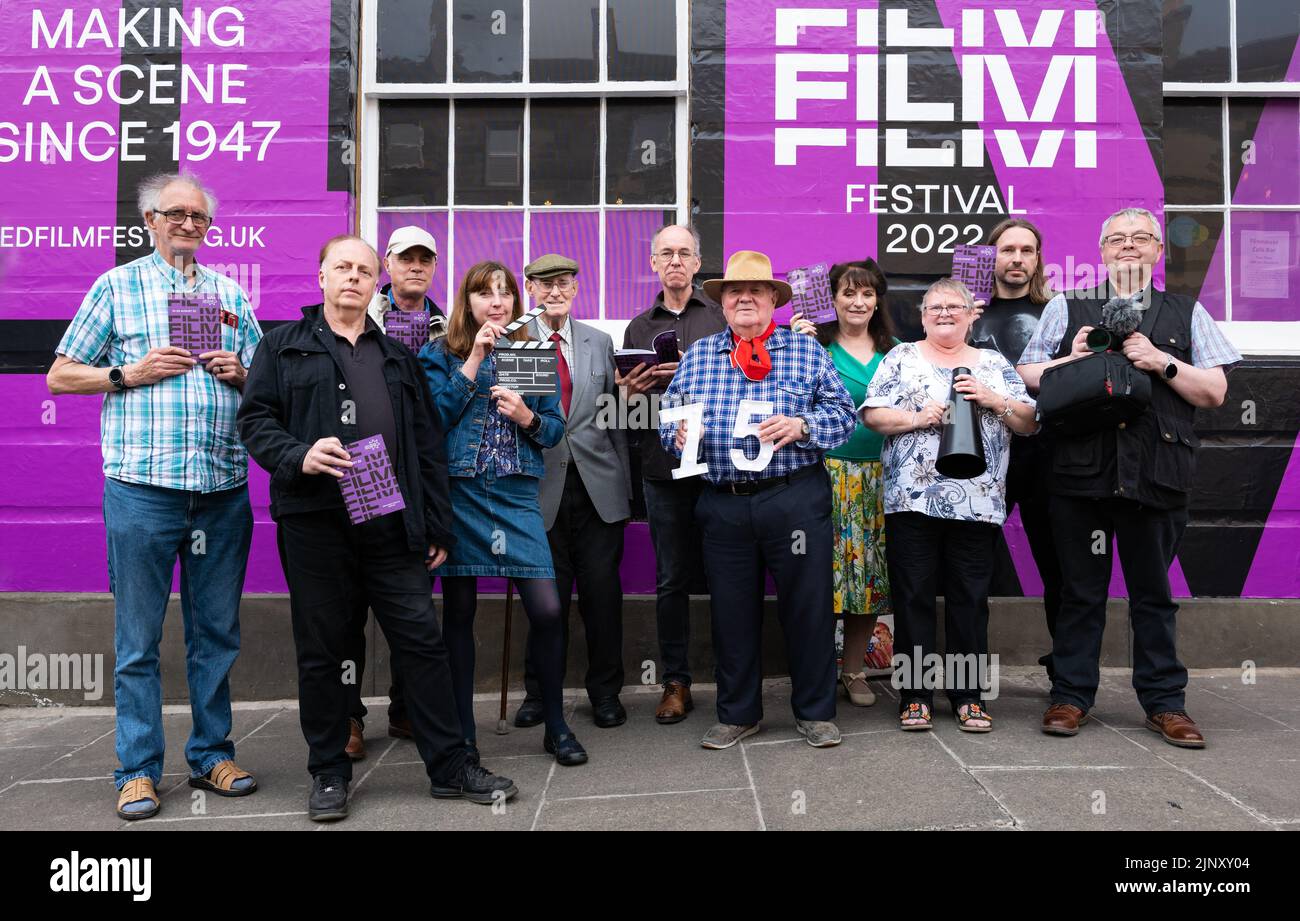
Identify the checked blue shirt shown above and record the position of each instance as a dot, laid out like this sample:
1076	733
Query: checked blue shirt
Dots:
180	432
803	382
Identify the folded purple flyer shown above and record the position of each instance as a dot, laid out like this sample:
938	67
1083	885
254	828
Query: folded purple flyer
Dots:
370	486
194	322
409	327
973	267
811	294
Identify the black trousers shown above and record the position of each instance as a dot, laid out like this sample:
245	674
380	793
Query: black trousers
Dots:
670	512
1027	488
396	698
1147	540
587	548
335	568
785	531
923	548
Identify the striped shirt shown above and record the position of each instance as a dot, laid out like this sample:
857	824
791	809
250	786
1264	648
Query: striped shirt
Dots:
180	432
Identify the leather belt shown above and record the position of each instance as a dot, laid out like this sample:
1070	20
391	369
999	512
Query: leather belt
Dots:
749	487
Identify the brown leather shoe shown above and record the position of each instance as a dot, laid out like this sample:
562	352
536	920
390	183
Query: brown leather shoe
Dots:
356	747
1063	720
675	703
400	728
1176	728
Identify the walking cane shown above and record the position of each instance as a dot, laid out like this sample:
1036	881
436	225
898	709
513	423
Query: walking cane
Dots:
502	726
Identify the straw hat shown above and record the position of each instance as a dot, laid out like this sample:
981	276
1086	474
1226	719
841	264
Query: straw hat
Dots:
747	265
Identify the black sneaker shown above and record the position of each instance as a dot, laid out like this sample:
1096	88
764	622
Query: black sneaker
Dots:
476	784
471	751
329	798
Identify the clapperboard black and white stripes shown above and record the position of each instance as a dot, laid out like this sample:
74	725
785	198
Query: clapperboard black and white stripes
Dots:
526	367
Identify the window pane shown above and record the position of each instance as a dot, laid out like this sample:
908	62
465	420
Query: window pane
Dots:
563	41
630	284
412	41
1193	259
640	167
1193	151
1262	137
575	234
487	41
490	152
642	39
564	152
1266	39
1265	265
483	235
433	221
1196	41
413	152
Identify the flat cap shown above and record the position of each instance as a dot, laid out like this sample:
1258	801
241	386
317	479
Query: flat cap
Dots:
550	264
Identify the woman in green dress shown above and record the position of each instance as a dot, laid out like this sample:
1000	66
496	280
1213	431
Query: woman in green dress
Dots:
857	341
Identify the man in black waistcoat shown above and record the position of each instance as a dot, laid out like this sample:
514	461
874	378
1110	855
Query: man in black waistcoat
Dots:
1128	483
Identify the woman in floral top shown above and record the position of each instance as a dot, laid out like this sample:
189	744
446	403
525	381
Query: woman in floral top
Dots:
857	340
941	530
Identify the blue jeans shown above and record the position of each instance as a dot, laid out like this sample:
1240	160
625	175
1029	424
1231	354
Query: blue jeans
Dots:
148	528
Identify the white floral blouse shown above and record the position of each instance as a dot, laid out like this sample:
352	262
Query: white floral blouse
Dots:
906	381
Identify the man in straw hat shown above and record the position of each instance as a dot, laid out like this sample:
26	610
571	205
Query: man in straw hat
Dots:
771	404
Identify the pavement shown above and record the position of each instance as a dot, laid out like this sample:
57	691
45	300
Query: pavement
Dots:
56	768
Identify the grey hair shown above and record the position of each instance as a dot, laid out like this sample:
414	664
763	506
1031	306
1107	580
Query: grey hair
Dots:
1132	214
950	284
149	195
690	228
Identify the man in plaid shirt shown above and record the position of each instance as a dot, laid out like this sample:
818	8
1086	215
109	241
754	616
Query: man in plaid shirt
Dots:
765	388
175	486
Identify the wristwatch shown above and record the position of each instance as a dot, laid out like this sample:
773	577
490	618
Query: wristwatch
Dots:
1171	369
804	431
117	378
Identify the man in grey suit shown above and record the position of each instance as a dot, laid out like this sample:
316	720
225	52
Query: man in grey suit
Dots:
585	492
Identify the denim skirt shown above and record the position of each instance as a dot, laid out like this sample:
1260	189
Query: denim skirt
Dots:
498	526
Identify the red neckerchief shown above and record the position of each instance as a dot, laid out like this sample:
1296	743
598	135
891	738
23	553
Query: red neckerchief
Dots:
750	355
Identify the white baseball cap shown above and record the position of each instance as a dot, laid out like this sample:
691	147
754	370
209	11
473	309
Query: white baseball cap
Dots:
403	238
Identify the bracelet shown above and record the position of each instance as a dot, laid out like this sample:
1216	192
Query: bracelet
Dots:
1007	410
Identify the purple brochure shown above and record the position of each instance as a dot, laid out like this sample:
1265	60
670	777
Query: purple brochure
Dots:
973	267
811	295
369	486
194	322
409	327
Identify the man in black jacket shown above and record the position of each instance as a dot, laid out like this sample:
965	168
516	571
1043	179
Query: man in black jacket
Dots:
1129	483
316	385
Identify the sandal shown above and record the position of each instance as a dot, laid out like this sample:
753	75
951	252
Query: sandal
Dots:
915	717
139	790
967	714
857	689
224	780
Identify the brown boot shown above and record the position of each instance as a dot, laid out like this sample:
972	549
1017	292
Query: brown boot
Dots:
675	703
1176	728
356	747
1063	720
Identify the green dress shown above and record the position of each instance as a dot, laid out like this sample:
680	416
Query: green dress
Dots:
860	578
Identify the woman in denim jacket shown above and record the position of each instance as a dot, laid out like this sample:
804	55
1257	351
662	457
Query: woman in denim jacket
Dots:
495	439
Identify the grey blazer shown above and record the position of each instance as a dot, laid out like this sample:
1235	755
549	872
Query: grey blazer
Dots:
600	452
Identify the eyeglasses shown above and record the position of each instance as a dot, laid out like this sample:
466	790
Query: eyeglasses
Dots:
667	255
1141	238
178	215
565	283
936	310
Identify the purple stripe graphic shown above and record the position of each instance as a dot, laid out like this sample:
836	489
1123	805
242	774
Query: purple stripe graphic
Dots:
575	234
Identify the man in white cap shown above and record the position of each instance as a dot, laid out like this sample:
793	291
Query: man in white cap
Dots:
411	260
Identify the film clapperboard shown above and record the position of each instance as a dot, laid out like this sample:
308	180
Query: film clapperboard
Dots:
526	367
369	486
810	292
973	267
194	322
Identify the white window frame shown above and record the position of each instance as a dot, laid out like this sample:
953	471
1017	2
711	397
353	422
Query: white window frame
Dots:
374	91
1249	336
